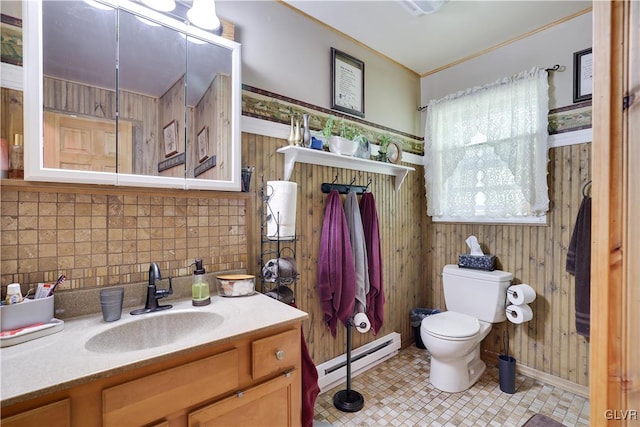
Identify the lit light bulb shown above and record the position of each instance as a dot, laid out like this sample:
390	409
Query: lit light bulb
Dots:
203	14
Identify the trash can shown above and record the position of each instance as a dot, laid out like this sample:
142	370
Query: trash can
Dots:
417	314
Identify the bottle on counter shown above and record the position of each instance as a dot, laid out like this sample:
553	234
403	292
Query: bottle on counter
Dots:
200	294
14	294
4	158
16	158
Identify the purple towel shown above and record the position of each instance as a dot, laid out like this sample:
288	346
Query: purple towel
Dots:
310	387
579	264
375	297
336	268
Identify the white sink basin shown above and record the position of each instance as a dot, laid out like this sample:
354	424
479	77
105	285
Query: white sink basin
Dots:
153	330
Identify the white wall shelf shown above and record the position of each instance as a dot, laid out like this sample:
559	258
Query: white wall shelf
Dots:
293	154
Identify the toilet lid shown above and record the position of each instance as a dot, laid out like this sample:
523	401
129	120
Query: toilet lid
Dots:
451	324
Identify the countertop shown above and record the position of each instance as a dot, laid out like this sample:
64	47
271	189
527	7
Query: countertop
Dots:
60	360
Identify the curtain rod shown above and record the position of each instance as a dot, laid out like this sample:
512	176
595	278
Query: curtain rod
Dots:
554	68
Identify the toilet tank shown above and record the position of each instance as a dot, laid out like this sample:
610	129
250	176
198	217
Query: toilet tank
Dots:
478	293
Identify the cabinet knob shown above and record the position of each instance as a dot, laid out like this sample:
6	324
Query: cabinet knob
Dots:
239	394
280	354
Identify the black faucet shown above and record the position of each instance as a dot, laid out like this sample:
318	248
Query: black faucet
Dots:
154	294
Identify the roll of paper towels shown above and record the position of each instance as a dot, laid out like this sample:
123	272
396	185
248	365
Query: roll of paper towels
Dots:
362	323
521	294
519	313
281	200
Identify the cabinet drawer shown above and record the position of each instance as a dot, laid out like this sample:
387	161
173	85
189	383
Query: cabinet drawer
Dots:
151	398
56	414
272	403
275	353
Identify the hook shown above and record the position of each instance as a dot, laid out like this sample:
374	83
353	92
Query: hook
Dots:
351	183
585	187
367	187
335	179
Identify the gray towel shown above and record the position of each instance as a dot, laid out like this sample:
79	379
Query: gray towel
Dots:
359	249
579	264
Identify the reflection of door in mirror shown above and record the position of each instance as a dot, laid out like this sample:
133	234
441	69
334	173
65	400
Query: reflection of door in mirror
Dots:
79	87
76	143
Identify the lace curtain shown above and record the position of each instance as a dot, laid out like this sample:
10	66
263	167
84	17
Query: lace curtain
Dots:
486	150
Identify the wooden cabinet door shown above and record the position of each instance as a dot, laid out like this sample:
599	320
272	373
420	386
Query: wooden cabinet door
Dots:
152	398
267	404
56	414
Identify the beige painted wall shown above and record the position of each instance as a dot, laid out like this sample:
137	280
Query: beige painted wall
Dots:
289	54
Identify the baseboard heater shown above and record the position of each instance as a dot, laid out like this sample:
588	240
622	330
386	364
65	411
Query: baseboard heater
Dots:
334	371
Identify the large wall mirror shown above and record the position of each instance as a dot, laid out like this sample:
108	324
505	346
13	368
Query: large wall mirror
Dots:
116	93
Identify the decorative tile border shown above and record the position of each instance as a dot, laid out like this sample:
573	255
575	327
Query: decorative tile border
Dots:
269	106
571	118
265	105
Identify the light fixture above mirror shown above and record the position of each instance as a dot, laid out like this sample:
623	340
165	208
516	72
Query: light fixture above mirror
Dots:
203	14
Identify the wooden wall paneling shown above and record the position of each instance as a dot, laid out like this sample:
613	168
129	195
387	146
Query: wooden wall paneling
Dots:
11	115
171	107
400	237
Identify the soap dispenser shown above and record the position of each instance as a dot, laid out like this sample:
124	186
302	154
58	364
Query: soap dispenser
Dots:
200	288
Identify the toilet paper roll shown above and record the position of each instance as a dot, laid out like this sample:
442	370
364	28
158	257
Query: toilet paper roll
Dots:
519	313
521	294
362	323
281	221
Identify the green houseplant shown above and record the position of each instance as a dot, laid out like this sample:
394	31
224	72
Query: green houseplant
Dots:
339	136
384	140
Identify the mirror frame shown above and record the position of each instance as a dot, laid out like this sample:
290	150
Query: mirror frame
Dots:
33	110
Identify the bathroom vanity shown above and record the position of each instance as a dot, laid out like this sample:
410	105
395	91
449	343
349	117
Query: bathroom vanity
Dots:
244	369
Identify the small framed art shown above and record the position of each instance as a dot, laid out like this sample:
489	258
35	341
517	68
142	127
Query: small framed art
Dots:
170	135
203	144
582	75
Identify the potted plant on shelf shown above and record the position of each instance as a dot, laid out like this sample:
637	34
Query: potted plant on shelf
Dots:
384	141
340	136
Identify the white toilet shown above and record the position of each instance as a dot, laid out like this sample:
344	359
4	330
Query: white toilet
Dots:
475	299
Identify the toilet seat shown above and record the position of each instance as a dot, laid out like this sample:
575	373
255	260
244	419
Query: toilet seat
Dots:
450	325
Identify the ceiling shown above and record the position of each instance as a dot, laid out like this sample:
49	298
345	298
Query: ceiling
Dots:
459	30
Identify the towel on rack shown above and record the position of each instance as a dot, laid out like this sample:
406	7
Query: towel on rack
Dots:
375	297
359	250
579	264
336	269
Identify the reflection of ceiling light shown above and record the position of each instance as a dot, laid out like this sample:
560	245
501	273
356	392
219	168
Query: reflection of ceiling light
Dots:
161	5
146	21
422	7
192	39
203	14
98	5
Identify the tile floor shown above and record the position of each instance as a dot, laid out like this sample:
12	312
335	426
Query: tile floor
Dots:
398	393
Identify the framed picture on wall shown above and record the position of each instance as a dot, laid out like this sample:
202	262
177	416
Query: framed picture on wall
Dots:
582	75
203	144
170	134
11	32
347	83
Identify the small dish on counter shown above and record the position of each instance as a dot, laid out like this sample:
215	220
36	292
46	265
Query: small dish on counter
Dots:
236	285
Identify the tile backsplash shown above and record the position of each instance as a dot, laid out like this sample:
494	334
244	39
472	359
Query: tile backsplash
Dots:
109	236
